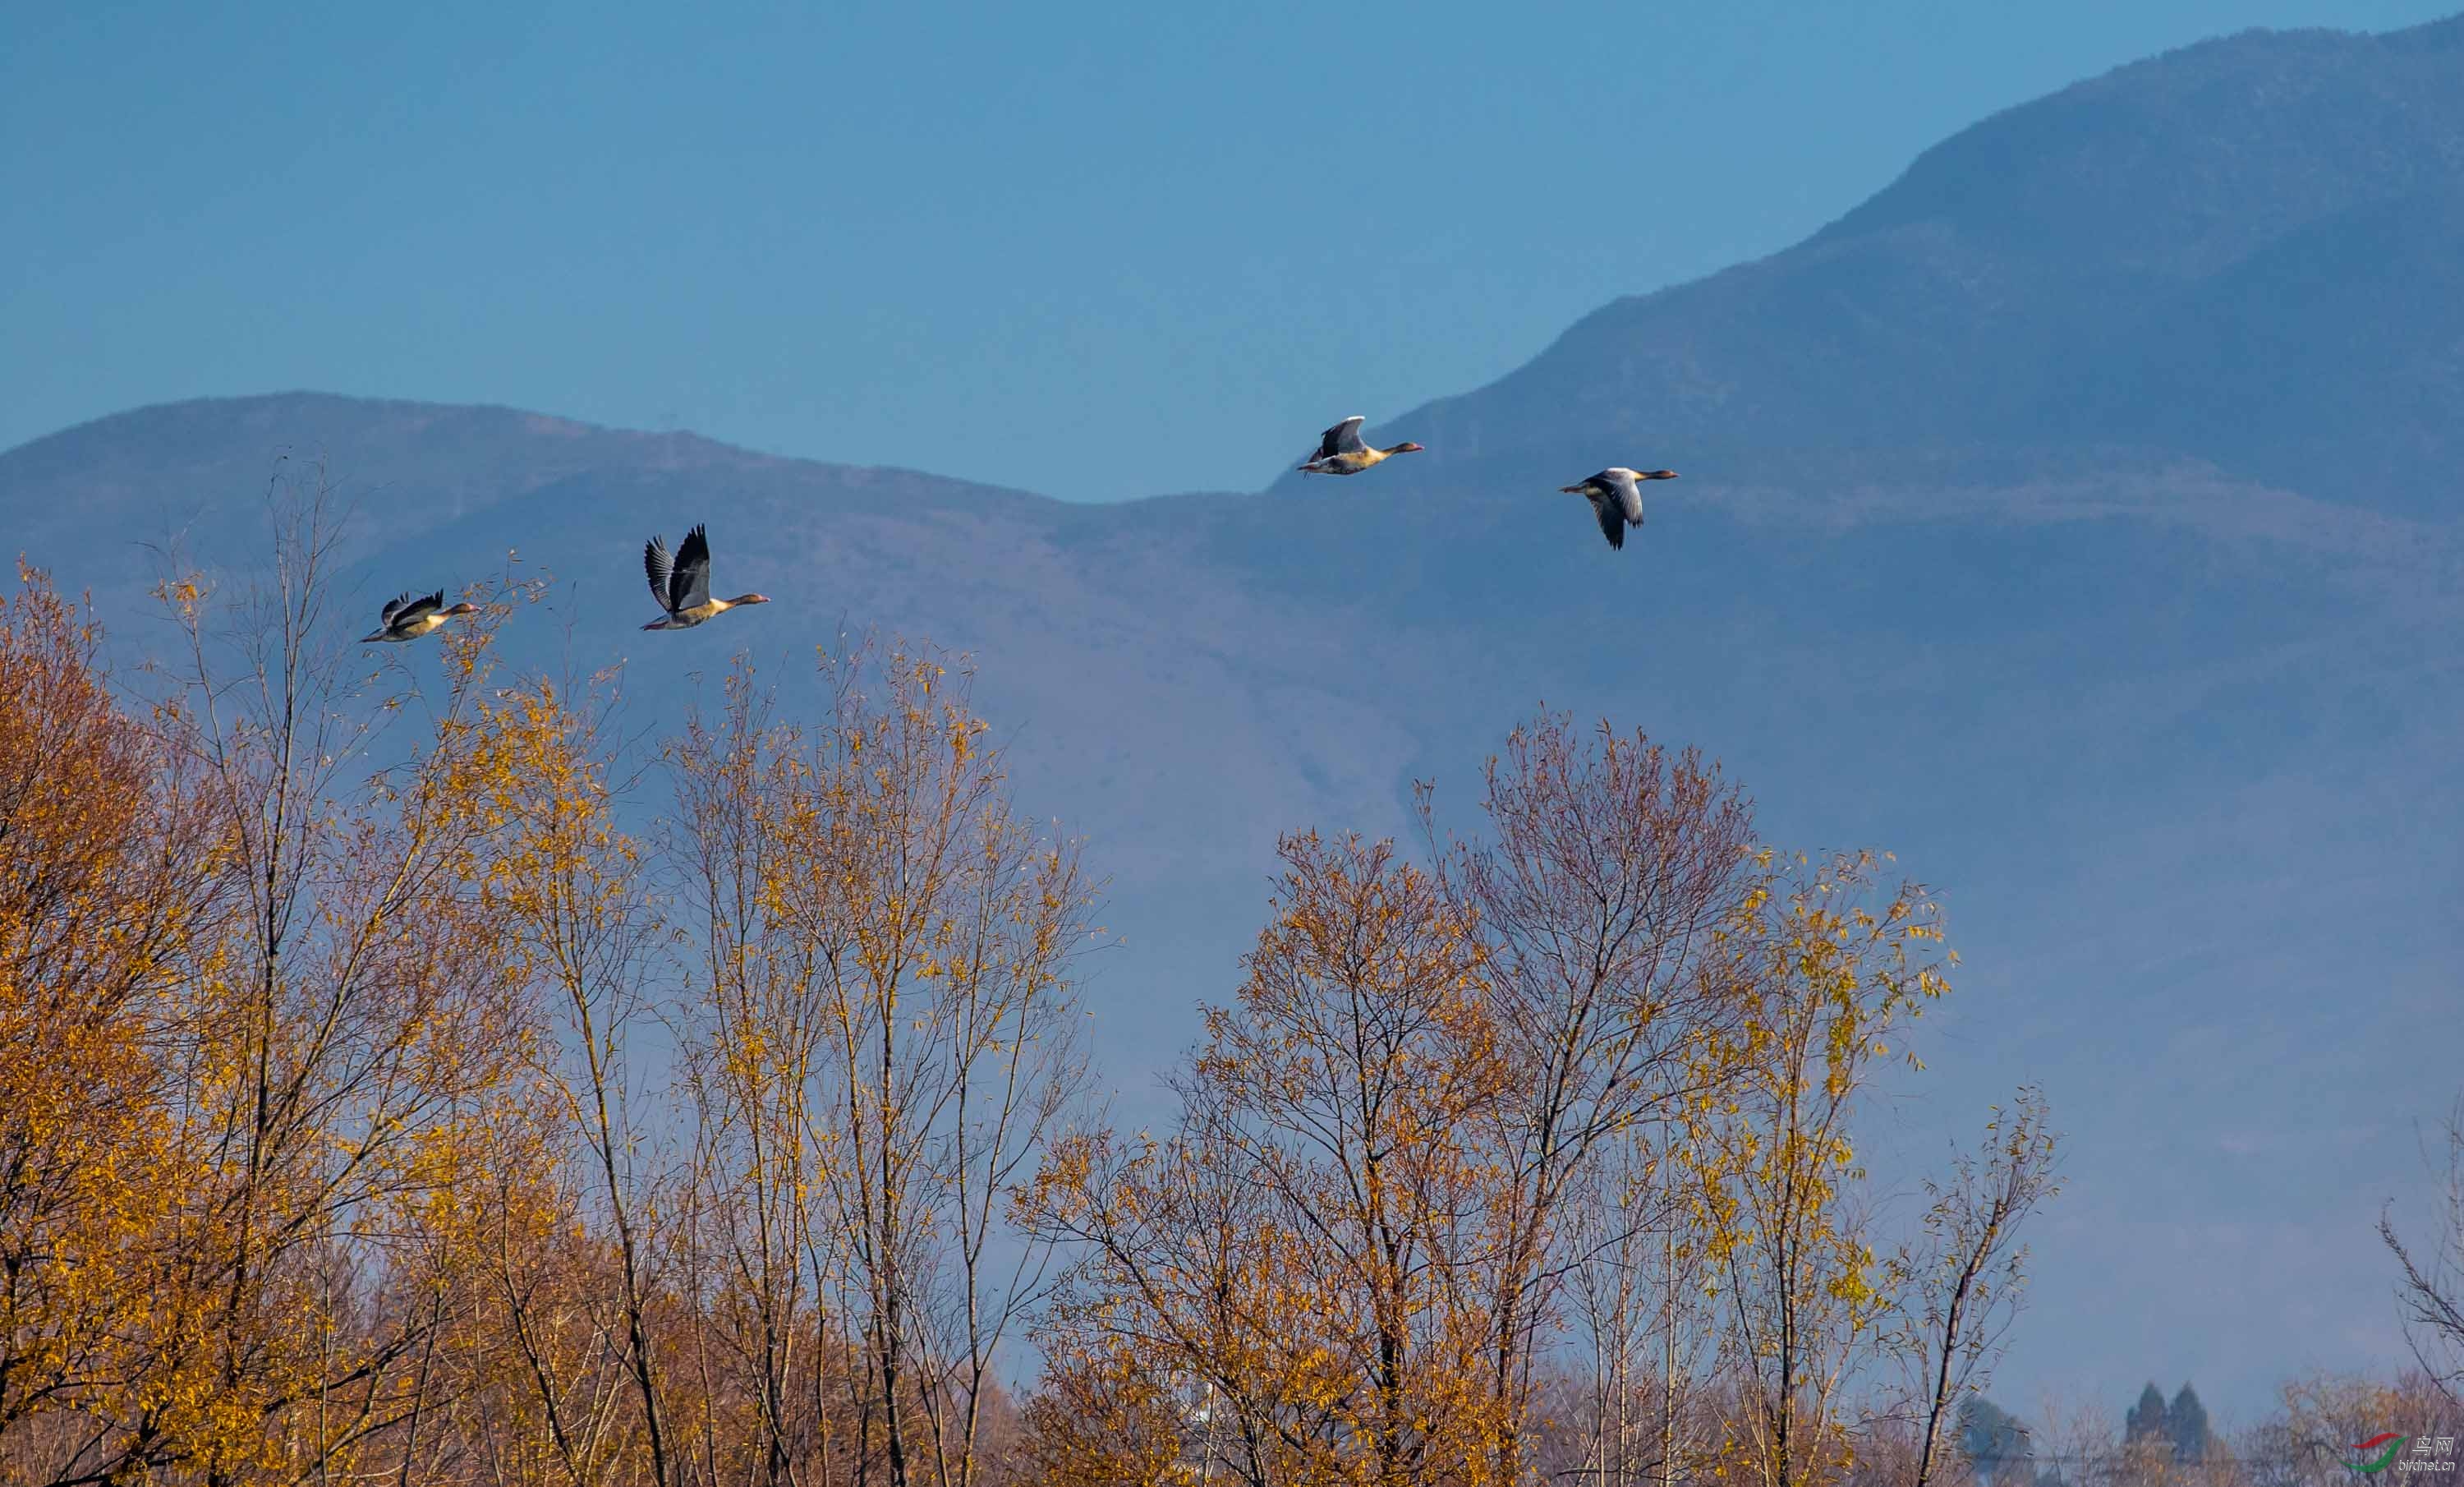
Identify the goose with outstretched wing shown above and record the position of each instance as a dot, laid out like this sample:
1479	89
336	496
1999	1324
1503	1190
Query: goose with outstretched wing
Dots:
407	618
1616	497
1340	451
681	582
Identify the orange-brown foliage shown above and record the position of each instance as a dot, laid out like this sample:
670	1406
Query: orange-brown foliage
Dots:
389	1092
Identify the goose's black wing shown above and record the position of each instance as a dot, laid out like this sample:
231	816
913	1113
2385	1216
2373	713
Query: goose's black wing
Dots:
691	584
1604	505
405	609
656	562
1342	437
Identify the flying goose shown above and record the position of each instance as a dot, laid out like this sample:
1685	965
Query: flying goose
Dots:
1616	497
407	618
1340	452
681	584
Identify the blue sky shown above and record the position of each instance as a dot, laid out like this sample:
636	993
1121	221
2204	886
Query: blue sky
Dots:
1095	251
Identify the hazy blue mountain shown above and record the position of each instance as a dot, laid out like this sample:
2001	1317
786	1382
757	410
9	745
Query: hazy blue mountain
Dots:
2239	253
2073	518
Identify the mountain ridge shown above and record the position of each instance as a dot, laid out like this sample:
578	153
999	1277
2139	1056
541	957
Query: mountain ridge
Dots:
1998	309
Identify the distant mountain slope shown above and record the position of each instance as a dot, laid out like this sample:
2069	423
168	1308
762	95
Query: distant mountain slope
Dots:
2109	571
2239	253
184	471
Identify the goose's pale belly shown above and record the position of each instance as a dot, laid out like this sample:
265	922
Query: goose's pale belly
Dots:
409	629
1348	464
688	618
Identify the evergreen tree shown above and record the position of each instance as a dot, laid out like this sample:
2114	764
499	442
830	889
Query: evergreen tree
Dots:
2146	1419
1993	1440
2187	1420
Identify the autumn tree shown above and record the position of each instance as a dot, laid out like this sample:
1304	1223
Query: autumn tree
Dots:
1293	1286
1637	1299
336	1039
113	885
763	1253
1172	1350
364	1171
233	927
887	1042
1624	1086
397	1085
2307	1440
2430	1275
1960	1283
548	866
1828	964
1608	870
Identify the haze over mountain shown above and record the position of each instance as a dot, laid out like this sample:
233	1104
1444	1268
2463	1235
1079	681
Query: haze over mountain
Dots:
2077	518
